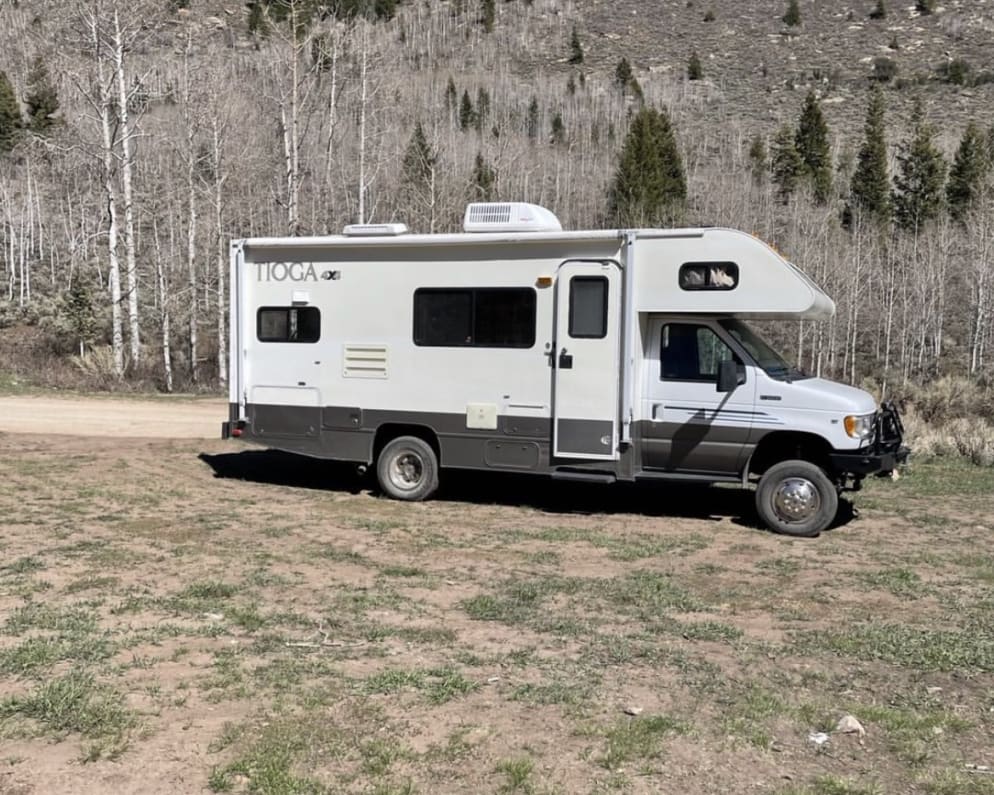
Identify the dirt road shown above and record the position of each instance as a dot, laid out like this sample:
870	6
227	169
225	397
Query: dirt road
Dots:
158	418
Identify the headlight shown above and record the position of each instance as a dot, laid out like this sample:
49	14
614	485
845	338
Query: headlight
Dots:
860	426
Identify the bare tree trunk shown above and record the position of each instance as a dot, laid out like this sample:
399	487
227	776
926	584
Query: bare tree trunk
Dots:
164	314
105	103
191	255
127	181
217	163
363	88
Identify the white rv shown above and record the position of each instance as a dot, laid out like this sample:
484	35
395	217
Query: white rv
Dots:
597	356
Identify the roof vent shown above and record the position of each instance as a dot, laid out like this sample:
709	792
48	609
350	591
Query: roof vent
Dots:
374	230
509	217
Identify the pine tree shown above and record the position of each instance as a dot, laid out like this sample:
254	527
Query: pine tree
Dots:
483	180
623	74
812	146
694	69
79	312
451	96
558	134
42	99
758	158
482	108
531	120
467	116
921	172
575	48
417	177
257	22
870	185
10	115
489	16
649	186
968	173
571	86
792	17
785	162
419	160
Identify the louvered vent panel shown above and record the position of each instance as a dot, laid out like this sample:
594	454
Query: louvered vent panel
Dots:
364	361
490	214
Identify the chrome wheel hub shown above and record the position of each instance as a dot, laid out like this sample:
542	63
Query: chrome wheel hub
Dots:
406	471
796	500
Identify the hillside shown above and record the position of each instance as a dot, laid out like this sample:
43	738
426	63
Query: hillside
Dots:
115	228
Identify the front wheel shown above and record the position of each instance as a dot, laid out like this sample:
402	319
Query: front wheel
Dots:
407	469
796	498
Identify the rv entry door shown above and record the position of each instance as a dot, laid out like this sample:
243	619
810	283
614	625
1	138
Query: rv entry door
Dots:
585	360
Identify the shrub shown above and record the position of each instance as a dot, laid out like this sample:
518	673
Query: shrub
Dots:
948	398
884	69
957	71
694	69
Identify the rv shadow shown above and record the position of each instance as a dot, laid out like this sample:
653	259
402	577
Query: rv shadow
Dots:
498	488
285	469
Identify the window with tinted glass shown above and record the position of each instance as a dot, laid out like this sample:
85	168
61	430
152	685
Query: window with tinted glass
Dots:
588	307
709	276
288	324
689	352
497	317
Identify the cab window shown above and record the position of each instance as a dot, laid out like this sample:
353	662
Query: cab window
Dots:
691	352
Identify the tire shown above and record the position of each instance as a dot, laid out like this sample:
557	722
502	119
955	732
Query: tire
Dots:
407	469
796	498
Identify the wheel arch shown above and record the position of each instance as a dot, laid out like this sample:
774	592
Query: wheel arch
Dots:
389	431
778	446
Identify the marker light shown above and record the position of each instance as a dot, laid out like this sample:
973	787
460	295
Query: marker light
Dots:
859	426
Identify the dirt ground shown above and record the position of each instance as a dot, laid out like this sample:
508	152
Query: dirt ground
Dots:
191	615
161	418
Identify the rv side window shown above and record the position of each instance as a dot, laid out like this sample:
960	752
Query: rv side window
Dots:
498	317
588	307
691	353
289	324
709	276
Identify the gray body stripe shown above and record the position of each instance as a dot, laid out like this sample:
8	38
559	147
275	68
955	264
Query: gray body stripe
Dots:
344	433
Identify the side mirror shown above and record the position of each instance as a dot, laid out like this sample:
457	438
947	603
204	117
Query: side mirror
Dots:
728	376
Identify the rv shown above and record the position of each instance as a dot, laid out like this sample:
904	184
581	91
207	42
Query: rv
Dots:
515	346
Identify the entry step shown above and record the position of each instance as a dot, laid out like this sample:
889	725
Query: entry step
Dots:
586	477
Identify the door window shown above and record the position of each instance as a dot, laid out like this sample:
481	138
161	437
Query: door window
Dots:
588	307
690	352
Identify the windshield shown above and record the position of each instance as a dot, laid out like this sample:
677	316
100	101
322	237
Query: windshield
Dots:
772	362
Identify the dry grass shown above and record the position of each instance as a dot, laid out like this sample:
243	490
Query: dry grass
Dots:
278	629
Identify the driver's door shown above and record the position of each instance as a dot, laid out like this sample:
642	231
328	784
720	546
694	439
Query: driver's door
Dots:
692	426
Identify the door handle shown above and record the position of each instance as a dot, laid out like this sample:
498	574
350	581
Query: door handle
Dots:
565	360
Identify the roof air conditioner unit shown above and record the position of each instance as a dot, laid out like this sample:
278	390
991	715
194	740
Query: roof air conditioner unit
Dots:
509	217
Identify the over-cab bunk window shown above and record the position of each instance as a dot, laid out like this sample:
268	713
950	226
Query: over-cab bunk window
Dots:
709	276
288	324
479	317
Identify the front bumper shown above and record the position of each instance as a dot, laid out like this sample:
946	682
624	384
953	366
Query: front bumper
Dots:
860	463
885	453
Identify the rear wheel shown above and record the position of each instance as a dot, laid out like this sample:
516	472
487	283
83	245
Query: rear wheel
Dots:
796	498
407	469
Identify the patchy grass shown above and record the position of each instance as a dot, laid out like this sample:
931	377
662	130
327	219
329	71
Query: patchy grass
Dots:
910	647
330	641
76	704
638	740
